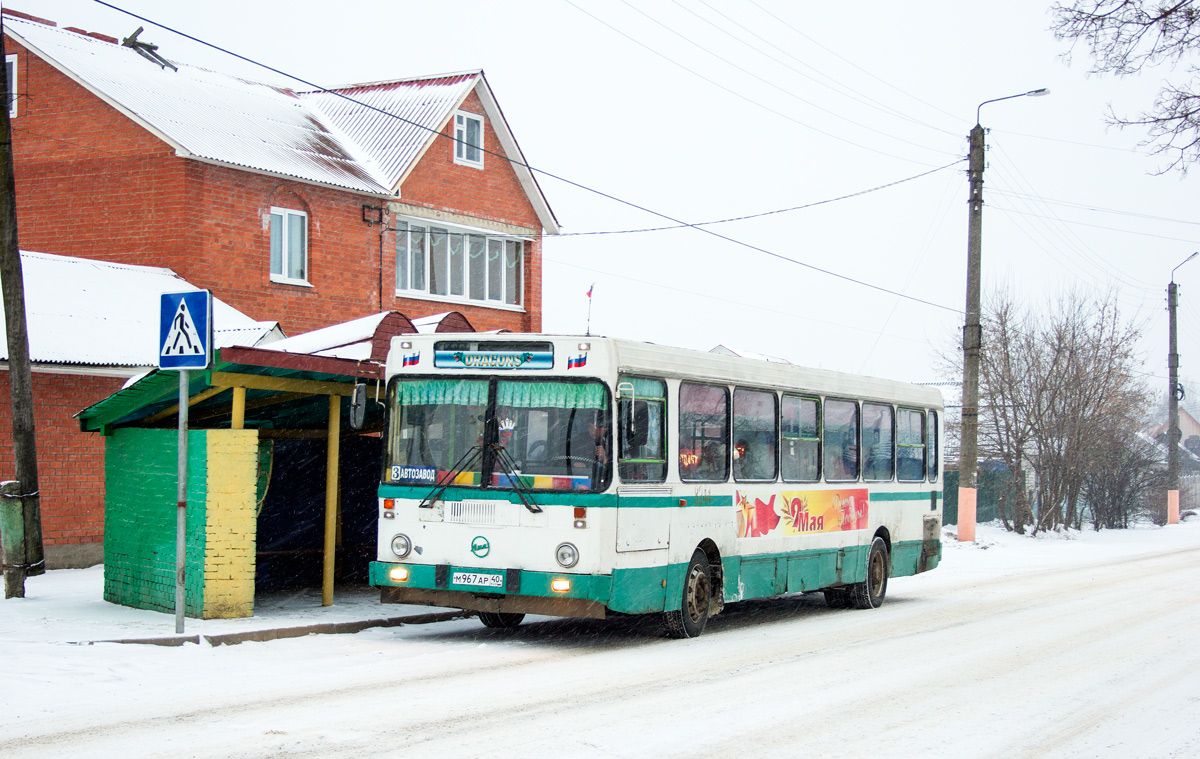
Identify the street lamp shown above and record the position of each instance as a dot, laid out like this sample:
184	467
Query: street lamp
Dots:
968	460
1173	435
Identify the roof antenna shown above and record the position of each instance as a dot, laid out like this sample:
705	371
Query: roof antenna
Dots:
147	50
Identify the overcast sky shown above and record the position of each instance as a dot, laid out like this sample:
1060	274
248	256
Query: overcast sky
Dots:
703	110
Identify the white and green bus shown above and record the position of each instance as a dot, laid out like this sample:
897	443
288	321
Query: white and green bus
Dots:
587	476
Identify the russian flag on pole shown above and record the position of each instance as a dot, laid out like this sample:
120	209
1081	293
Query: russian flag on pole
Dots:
593	286
412	359
576	362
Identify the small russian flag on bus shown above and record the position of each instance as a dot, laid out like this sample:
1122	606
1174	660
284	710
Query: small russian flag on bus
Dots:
577	362
412	359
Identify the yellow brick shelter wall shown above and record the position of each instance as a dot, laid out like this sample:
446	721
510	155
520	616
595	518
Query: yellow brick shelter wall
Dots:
231	529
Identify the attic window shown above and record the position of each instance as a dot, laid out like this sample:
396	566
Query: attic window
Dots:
468	139
10	71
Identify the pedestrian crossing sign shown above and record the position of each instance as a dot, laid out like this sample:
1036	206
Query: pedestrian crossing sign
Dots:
185	330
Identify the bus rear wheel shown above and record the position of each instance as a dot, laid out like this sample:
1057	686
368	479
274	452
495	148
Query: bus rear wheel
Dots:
500	620
689	620
869	593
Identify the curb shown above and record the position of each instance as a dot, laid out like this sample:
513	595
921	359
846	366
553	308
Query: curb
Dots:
262	636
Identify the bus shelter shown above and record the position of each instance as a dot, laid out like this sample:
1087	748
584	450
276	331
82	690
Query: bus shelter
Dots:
281	491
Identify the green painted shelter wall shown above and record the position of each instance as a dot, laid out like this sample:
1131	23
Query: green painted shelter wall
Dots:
990	487
140	508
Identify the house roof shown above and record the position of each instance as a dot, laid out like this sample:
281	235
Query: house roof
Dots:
97	313
365	138
368	338
1188	426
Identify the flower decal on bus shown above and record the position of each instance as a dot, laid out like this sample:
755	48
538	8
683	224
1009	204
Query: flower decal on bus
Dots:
802	512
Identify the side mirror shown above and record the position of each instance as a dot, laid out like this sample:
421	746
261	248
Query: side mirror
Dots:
358	406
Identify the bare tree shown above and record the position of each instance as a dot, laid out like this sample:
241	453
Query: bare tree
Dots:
1126	36
1128	472
1053	387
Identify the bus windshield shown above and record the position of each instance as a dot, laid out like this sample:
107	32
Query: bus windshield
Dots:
536	434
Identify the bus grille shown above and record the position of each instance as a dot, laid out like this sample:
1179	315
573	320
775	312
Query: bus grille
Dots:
496	513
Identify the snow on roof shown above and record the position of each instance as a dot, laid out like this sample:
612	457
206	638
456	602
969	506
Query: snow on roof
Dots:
206	114
727	351
99	313
322	137
350	339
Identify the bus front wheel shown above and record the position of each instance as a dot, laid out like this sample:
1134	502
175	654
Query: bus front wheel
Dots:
689	620
869	593
499	620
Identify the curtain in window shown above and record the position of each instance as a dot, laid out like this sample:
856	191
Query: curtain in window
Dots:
443	391
566	395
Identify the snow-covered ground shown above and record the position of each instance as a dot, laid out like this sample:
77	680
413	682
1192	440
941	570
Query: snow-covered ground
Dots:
1080	644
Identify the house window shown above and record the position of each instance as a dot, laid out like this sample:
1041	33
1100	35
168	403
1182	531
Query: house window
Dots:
10	71
468	139
457	265
289	246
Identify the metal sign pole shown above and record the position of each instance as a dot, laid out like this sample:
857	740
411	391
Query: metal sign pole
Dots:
185	332
181	512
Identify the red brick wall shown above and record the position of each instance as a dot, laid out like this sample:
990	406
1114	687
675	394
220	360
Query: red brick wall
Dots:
70	462
92	183
493	193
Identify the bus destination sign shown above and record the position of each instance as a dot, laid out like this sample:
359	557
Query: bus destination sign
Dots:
444	359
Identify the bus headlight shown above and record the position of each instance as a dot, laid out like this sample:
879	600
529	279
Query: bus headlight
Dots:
566	555
401	545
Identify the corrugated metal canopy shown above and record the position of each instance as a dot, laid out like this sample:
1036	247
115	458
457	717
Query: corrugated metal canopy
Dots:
98	313
152	399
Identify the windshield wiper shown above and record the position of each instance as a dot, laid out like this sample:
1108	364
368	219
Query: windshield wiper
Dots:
468	459
510	468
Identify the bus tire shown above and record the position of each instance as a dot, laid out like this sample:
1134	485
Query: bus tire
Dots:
689	620
499	620
869	594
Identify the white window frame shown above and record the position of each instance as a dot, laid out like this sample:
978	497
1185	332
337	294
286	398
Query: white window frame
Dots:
424	249
282	276
12	84
460	139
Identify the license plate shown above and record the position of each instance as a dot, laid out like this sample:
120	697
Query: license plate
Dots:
478	579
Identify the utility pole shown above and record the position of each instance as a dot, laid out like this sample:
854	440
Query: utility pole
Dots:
1173	434
968	455
22	556
968	452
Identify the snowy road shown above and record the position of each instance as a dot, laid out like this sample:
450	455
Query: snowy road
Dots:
1093	654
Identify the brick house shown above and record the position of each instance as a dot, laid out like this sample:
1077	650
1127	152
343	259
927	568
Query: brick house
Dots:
92	326
308	208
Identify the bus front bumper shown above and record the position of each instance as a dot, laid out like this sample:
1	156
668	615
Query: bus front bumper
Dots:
516	591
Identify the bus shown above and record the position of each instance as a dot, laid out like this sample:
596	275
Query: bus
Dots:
590	476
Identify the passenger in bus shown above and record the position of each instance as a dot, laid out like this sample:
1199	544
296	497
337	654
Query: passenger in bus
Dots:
746	465
592	456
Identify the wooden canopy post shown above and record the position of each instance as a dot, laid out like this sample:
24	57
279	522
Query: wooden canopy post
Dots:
238	412
331	498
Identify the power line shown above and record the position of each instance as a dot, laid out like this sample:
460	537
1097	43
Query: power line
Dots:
764	213
735	93
1098	209
841	89
852	63
564	180
740	304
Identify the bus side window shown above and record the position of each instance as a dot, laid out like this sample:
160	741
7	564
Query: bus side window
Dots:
703	433
879	426
931	446
641	414
910	446
755	433
841	441
800	439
